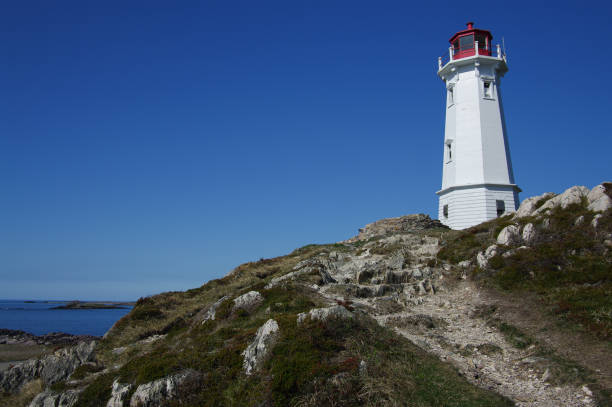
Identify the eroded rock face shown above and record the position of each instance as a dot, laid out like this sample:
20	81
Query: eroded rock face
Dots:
529	233
155	393
599	198
51	399
248	301
259	349
119	394
323	314
50	369
528	206
571	196
408	223
509	235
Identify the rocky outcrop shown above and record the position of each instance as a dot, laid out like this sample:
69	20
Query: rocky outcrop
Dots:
571	196
402	224
119	393
15	337
529	205
248	301
50	369
319	265
509	235
155	393
259	349
599	197
323	314
51	399
529	234
482	258
209	313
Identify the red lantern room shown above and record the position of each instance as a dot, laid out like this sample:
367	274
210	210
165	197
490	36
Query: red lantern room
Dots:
464	42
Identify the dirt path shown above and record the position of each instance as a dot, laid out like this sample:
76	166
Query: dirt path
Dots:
527	314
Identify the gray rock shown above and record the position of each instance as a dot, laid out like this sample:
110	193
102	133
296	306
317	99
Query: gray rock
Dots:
464	264
210	312
514	251
50	369
323	314
509	235
599	200
528	206
571	196
259	349
546	223
119	394
155	393
482	258
51	399
402	224
529	233
579	220
248	301
595	220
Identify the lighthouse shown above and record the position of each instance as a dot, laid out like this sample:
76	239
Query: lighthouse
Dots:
477	179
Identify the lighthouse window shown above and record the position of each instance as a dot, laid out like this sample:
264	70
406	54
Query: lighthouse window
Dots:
445	211
466	42
501	207
449	152
451	96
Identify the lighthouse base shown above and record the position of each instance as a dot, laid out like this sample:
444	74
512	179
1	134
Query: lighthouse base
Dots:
467	205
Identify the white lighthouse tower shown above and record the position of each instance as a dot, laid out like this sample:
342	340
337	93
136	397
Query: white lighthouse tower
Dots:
477	180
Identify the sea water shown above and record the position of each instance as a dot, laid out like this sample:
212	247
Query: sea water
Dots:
40	318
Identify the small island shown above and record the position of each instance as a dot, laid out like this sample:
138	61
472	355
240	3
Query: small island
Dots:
77	305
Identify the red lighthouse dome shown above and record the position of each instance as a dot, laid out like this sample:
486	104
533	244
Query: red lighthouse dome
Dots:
464	43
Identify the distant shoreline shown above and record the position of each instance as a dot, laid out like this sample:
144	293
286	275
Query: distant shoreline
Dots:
79	305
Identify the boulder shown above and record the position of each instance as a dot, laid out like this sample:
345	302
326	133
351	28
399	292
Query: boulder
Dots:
579	220
529	234
119	393
259	349
482	258
599	200
51	399
509	235
323	314
514	251
248	301
571	196
155	393
595	220
528	206
51	369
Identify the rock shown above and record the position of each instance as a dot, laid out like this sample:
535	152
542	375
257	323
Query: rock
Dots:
571	196
155	393
482	258
51	369
248	301
323	314
599	198
579	220
119	393
51	399
363	368
314	265
464	264
514	251
546	223
209	313
529	234
258	350
528	206
595	220
509	235
402	224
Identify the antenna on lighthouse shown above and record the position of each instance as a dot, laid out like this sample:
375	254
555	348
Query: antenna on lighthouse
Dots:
504	46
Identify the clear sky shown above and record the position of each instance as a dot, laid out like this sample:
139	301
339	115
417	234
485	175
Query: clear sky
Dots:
151	146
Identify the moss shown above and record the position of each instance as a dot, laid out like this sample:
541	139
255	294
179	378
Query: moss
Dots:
97	393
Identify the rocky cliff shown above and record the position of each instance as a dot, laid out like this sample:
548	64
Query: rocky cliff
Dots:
516	311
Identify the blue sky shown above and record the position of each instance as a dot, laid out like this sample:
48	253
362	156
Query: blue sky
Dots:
150	146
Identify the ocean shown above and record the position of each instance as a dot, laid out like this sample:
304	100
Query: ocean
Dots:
39	318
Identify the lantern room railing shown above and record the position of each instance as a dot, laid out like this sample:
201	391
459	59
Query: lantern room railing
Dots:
473	49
